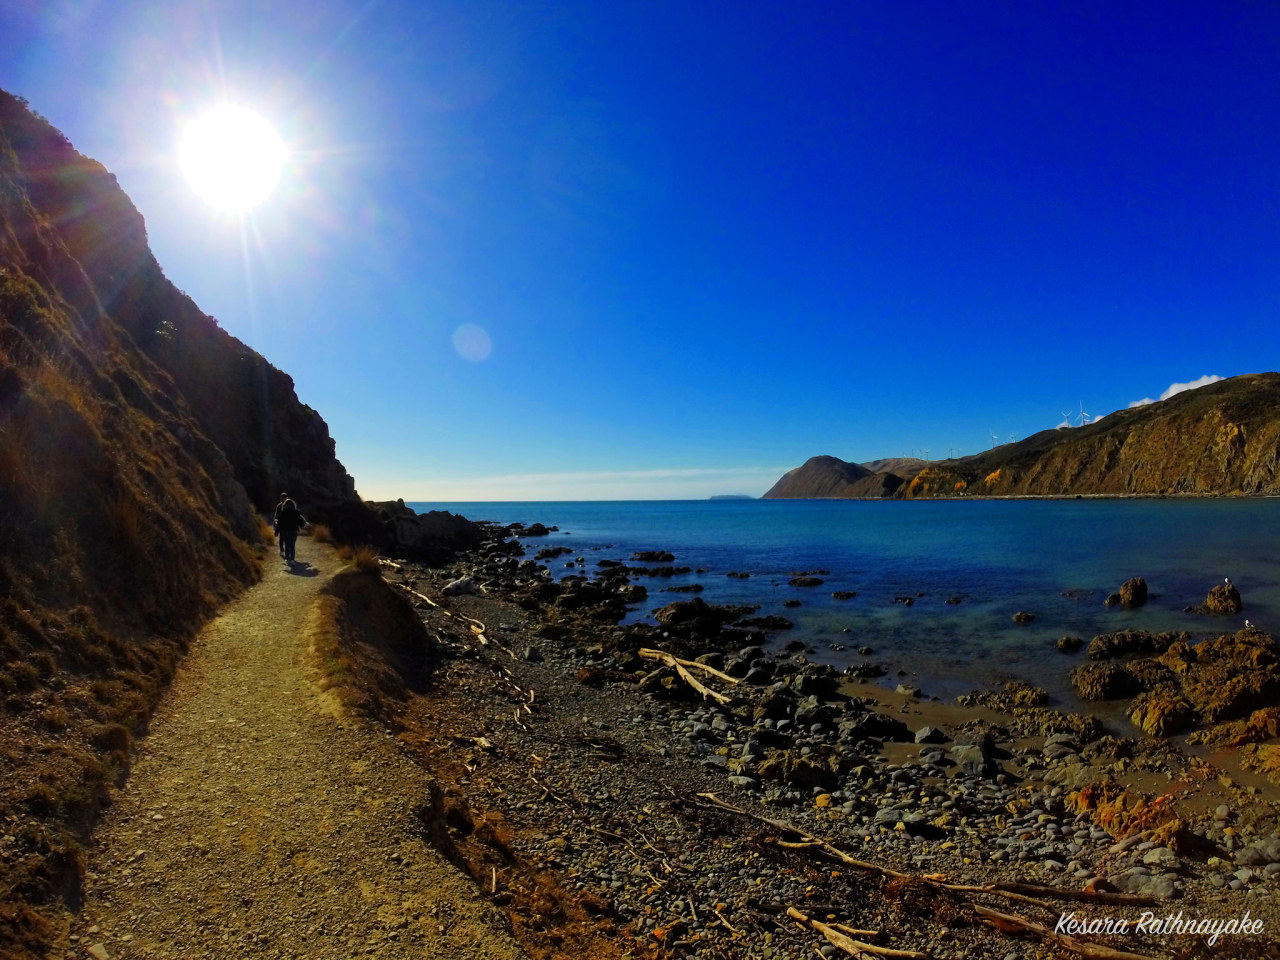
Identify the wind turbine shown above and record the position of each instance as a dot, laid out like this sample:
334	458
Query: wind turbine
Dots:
1084	417
1013	438
1066	422
994	439
926	455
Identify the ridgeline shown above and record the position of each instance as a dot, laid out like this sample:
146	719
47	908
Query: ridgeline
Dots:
1219	440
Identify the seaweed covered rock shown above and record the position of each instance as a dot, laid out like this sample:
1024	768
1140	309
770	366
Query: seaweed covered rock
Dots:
1161	712
1104	681
1125	643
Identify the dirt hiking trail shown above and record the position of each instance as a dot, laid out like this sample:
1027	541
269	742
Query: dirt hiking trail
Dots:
260	822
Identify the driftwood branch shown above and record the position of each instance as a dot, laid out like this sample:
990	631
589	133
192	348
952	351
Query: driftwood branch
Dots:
671	661
1007	891
688	677
855	948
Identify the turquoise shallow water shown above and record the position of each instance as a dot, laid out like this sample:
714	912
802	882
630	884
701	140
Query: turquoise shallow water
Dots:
1057	559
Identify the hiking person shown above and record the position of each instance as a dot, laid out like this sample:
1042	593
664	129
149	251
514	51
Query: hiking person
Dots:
288	522
275	521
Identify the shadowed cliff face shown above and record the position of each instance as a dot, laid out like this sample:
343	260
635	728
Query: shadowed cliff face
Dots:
1218	440
242	403
136	440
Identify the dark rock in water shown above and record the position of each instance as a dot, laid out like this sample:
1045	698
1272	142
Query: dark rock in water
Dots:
1069	644
1022	616
768	622
686	588
1113	600
864	671
609	563
1224	598
954	600
791	603
652	556
1104	681
930	735
805	581
550	553
1133	592
905	601
633	592
535	530
866	651
739	575
795	646
845	594
665	571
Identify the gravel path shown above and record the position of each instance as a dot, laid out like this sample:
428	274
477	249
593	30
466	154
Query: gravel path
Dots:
258	822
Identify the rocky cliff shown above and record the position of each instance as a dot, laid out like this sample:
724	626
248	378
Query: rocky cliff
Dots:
138	442
1222	439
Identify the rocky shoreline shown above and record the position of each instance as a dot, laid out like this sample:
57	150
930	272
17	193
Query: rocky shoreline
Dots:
588	752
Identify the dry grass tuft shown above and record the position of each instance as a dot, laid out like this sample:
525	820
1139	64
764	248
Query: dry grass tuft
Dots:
362	558
266	532
321	533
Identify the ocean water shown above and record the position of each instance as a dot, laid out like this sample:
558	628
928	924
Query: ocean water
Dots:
1056	559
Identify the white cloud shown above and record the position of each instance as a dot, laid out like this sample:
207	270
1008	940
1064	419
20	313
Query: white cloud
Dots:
1176	388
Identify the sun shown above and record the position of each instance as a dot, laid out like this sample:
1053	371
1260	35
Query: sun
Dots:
233	157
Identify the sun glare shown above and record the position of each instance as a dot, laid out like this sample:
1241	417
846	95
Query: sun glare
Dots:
232	157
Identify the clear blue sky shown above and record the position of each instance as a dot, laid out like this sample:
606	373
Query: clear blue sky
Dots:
706	240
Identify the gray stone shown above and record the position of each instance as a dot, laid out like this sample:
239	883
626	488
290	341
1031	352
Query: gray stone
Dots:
1259	853
930	735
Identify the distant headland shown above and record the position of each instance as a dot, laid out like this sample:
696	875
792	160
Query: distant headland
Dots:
1222	439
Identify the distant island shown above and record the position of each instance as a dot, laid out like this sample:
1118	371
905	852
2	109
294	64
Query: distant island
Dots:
1218	440
731	496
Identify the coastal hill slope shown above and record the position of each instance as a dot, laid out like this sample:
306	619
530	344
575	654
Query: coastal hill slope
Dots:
830	477
1221	439
138	444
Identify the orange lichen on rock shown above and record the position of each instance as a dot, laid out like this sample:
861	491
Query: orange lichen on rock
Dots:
1119	811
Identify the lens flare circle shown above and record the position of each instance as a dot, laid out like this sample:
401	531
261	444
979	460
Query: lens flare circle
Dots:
472	342
232	156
